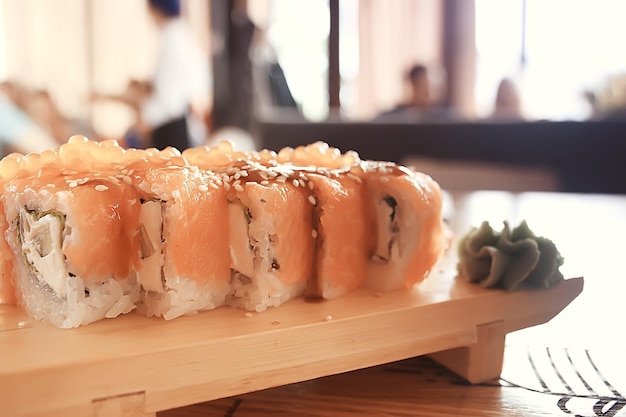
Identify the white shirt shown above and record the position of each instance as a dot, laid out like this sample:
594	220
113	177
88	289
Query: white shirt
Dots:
182	74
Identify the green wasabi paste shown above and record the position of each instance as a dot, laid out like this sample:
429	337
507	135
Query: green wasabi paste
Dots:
509	259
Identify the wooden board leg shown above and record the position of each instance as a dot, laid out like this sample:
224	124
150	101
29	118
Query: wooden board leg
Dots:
481	361
128	405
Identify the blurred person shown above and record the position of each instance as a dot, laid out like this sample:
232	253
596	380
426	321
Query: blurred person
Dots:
181	78
419	81
507	104
18	131
421	104
136	92
419	90
40	106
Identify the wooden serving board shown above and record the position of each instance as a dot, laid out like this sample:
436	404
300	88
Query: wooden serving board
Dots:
136	366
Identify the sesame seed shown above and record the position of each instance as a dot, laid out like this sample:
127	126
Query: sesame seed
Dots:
237	175
354	177
127	179
265	182
312	200
124	171
214	186
72	184
314	233
328	318
263	175
273	174
238	187
248	315
82	181
295	183
281	179
130	172
101	187
226	186
243	173
203	188
21	324
302	184
311	185
246	167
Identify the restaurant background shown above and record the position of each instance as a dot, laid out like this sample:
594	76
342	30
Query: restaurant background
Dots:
321	61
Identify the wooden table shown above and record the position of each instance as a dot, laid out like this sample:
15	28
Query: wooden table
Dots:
135	366
573	365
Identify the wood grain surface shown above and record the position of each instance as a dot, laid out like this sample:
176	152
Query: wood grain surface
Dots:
222	353
421	387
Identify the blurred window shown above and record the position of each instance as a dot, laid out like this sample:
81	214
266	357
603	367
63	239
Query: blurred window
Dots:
298	35
555	50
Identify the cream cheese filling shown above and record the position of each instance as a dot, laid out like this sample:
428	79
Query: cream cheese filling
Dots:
42	246
150	235
241	250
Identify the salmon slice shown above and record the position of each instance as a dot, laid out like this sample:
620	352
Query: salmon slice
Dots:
7	288
345	241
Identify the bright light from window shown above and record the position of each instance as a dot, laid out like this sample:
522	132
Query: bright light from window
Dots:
571	46
3	55
298	32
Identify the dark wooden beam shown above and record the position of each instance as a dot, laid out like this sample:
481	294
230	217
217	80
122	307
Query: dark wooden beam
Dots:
334	76
232	32
588	156
459	54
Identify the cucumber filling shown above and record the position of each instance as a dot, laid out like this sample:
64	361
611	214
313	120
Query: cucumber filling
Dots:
387	228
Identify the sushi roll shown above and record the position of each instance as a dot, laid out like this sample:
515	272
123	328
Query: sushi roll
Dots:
407	234
270	219
71	244
271	239
409	229
184	266
93	231
73	241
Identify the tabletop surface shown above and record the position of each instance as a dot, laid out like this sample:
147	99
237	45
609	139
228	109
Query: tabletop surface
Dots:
573	365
